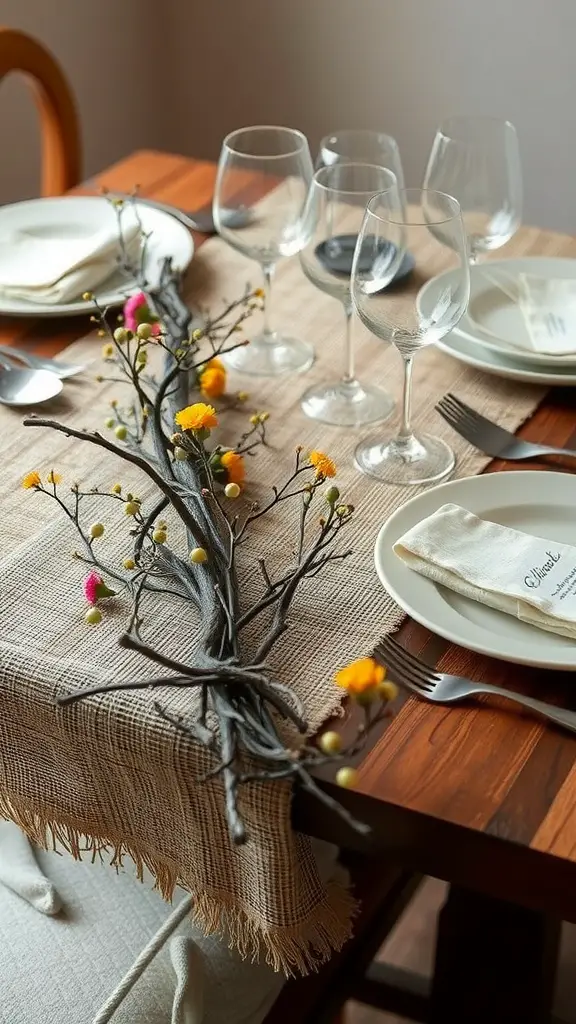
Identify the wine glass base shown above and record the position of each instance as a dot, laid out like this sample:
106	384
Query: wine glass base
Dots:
271	355
347	404
411	462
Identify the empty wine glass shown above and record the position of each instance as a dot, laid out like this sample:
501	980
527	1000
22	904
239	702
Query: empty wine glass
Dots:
477	160
409	324
336	204
254	162
361	146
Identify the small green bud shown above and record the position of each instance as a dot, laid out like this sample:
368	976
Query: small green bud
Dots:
332	495
142	357
109	422
129	563
330	743
198	556
232	490
131	508
93	616
347	778
144	331
180	454
97	529
117	489
159	536
121	432
120	335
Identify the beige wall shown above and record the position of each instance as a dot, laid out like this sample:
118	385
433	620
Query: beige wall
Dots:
104	47
399	65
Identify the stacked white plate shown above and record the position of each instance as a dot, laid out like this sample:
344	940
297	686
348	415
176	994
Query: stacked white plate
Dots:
492	336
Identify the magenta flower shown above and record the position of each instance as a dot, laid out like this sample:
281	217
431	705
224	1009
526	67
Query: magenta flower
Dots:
136	312
95	588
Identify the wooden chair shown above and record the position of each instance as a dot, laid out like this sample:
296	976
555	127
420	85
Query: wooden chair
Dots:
61	146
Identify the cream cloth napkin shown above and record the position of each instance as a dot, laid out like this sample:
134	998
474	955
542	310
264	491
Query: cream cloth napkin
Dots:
529	577
548	307
53	270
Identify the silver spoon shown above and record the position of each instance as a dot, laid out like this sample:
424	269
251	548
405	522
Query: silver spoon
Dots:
27	386
62	370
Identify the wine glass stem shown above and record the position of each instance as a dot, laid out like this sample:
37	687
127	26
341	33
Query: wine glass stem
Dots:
405	432
348	375
268	270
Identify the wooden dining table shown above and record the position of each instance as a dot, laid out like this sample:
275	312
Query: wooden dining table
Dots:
482	795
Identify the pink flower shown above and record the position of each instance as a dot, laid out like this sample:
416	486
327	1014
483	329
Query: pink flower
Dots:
91	584
137	311
95	589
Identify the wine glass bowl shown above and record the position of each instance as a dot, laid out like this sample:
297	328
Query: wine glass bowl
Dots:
335	211
271	162
477	160
359	145
430	224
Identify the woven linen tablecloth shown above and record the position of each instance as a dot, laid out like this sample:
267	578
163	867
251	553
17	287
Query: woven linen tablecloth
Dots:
109	768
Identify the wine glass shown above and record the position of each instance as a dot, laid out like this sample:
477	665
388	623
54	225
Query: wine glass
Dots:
358	145
430	224
336	204
477	160
254	162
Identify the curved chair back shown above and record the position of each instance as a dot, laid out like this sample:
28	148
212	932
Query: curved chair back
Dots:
59	123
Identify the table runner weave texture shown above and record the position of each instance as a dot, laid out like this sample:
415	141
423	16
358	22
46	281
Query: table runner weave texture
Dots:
109	768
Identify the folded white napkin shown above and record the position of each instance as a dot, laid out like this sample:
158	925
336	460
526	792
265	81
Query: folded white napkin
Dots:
529	577
548	306
41	268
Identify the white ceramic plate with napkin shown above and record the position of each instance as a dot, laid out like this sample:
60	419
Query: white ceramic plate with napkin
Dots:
53	250
538	504
522	308
462	348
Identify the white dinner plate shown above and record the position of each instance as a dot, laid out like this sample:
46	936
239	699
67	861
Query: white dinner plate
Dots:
66	216
494	320
539	503
473	354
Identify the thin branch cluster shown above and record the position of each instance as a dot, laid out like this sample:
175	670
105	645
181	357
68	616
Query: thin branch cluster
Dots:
243	708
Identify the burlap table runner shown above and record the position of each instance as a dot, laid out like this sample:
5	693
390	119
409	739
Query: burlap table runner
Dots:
109	768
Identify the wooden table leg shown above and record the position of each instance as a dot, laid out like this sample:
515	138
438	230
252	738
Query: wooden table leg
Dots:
494	962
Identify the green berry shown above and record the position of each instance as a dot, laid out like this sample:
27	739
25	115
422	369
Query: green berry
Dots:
144	332
121	432
159	536
198	556
347	778
332	495
93	616
330	743
97	529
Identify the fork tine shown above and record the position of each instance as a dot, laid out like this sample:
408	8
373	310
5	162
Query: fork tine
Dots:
453	419
471	414
401	671
389	642
460	410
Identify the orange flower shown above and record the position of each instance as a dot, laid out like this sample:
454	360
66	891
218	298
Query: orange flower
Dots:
31	480
234	466
323	464
197	417
213	379
360	676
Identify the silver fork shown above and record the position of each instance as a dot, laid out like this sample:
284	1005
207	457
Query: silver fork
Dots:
17	356
489	437
425	682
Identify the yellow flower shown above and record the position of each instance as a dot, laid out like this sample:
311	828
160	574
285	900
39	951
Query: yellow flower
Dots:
234	466
323	464
360	676
197	417
107	351
258	293
213	379
31	480
53	478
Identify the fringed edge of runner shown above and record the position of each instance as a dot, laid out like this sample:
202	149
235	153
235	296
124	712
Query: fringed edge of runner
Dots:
291	950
